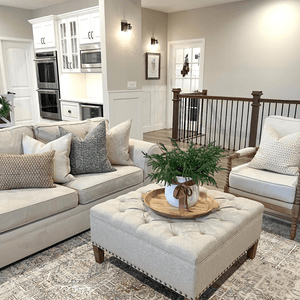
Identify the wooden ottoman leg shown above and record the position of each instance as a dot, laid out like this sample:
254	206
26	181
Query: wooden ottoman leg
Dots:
99	254
252	251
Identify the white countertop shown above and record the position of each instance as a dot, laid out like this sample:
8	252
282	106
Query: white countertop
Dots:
84	100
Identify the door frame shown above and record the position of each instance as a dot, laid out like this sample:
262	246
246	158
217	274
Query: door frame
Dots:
171	46
3	82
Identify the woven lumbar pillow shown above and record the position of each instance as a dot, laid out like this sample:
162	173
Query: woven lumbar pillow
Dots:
26	171
61	160
89	155
281	155
117	143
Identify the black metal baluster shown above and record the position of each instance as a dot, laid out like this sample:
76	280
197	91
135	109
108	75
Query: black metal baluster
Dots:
230	125
288	114
247	125
206	131
202	100
242	113
189	120
269	108
220	123
296	111
276	108
211	112
225	123
261	121
184	125
236	118
217	105
281	109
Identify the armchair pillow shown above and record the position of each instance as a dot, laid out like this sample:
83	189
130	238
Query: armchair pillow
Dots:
117	143
26	171
281	155
89	155
61	160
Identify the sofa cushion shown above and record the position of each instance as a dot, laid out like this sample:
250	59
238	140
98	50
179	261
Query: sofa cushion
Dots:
94	186
264	183
26	171
49	132
61	160
20	207
89	155
11	139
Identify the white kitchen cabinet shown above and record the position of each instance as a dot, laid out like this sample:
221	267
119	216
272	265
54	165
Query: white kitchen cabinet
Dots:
89	31
69	45
43	33
70	111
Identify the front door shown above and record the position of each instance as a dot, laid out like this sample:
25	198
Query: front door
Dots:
18	78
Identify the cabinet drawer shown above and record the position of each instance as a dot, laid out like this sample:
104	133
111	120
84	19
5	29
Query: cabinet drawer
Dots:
70	111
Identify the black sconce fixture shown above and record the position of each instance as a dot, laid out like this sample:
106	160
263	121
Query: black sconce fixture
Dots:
154	41
125	26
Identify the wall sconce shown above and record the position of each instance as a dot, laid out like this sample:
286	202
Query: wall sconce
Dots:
154	41
125	26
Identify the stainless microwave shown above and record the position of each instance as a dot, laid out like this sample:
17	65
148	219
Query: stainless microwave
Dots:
90	58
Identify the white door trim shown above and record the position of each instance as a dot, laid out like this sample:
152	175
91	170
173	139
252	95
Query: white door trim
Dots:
171	45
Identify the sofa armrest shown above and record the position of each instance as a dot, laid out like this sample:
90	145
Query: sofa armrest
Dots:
135	151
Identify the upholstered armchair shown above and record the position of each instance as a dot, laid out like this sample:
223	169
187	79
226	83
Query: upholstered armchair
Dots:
272	176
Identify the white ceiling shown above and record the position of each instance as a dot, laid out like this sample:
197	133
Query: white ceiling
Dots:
167	6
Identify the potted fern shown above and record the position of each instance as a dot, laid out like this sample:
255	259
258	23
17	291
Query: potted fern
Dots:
5	107
195	166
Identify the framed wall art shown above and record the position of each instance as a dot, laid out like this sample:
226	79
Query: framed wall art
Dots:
152	65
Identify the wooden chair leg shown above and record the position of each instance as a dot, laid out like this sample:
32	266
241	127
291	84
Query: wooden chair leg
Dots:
293	228
252	251
99	254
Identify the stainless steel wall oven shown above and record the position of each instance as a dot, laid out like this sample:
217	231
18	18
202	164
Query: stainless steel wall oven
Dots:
48	84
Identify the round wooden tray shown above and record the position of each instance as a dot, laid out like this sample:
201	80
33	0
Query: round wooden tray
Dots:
157	201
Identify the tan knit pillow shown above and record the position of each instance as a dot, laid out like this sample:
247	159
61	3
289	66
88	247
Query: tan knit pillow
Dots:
26	171
281	155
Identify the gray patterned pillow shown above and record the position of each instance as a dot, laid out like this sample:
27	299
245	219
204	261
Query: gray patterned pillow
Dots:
89	155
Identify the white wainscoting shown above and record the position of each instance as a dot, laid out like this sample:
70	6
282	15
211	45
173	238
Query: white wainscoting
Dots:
154	107
124	105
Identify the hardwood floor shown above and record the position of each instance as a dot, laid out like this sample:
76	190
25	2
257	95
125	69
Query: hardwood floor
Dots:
164	135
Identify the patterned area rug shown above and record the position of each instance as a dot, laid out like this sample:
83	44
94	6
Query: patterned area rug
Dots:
68	271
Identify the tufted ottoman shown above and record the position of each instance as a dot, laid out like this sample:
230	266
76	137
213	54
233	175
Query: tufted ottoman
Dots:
185	255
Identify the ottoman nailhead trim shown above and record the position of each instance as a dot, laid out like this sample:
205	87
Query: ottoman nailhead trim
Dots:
169	286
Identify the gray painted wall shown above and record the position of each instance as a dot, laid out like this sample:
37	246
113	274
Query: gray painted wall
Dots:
250	45
64	7
122	50
155	24
14	22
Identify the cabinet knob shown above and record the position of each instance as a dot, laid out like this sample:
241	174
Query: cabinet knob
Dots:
92	35
89	36
69	111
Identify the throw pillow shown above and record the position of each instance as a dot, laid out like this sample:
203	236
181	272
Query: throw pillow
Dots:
89	155
117	143
26	171
61	160
281	155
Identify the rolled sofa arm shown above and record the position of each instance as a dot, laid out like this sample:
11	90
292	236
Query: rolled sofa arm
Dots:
239	153
135	151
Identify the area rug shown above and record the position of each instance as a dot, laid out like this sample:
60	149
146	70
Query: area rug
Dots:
68	271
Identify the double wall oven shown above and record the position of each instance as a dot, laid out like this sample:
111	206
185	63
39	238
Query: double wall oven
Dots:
48	84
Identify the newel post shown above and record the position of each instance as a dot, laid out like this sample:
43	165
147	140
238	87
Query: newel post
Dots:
176	102
254	117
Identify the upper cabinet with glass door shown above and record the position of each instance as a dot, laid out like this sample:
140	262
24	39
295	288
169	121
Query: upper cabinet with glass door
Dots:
89	25
69	45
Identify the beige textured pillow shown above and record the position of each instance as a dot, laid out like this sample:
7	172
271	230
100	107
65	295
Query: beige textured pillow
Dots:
281	155
61	160
117	143
26	171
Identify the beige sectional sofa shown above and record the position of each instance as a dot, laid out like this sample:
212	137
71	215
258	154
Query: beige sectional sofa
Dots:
35	218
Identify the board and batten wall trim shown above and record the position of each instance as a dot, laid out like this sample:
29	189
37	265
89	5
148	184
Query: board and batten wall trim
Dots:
124	105
154	107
